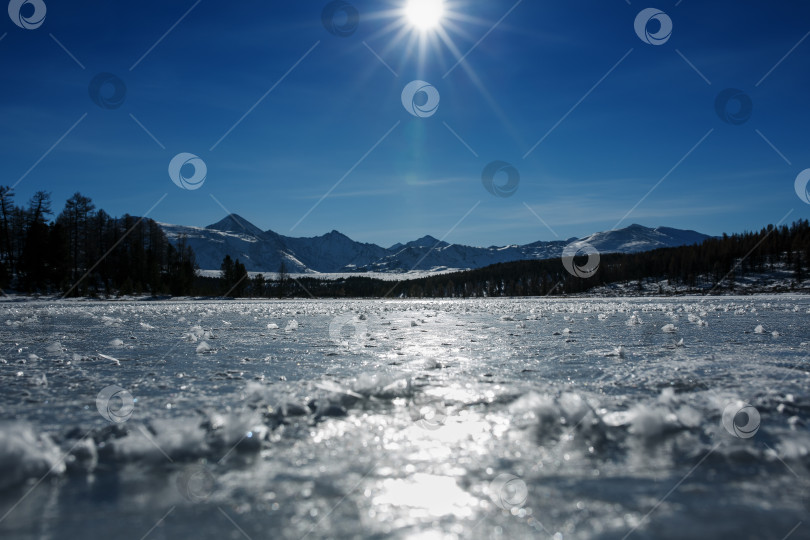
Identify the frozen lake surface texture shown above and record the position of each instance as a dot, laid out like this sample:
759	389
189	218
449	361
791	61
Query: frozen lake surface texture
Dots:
597	419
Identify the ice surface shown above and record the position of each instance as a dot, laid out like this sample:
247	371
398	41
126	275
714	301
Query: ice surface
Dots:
584	419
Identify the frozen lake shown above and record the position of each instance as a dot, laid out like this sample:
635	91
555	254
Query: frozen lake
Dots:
581	419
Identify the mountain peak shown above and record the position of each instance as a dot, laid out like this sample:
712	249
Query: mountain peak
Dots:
236	224
427	240
635	238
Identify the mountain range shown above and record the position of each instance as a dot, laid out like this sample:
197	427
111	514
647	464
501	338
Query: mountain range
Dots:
264	251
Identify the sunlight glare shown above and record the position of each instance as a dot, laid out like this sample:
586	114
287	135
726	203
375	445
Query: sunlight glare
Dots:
425	495
424	14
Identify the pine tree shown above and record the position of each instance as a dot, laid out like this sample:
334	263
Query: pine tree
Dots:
75	218
240	279
6	211
257	286
227	275
33	265
282	279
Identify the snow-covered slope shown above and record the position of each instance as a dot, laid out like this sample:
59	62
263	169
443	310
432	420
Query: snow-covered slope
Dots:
334	252
430	254
263	251
235	236
637	238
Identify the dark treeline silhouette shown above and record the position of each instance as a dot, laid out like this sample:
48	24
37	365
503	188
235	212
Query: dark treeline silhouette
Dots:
84	251
234	282
234	277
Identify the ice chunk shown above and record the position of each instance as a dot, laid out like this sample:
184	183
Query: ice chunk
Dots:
54	348
272	326
204	347
26	453
384	386
652	422
115	361
759	329
197	331
291	326
174	438
83	456
331	386
669	328
116	343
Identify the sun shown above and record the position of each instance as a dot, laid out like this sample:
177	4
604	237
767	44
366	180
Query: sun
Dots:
424	15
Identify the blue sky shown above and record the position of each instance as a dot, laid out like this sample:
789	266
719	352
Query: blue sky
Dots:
651	111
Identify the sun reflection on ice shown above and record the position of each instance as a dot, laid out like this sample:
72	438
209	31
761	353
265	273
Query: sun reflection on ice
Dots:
426	495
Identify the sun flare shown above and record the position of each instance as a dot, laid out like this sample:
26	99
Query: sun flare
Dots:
424	14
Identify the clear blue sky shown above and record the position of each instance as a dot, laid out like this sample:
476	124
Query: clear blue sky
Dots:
330	110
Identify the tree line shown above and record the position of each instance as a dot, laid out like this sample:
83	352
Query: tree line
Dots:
86	252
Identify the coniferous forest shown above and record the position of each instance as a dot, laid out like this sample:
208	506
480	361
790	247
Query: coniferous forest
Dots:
83	251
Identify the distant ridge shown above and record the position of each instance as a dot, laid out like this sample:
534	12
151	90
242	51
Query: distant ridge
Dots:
334	252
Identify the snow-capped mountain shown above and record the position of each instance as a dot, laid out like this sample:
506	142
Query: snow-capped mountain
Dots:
264	251
637	238
334	252
428	253
235	236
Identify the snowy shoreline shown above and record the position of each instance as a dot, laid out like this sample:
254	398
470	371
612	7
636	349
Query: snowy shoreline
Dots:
23	298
